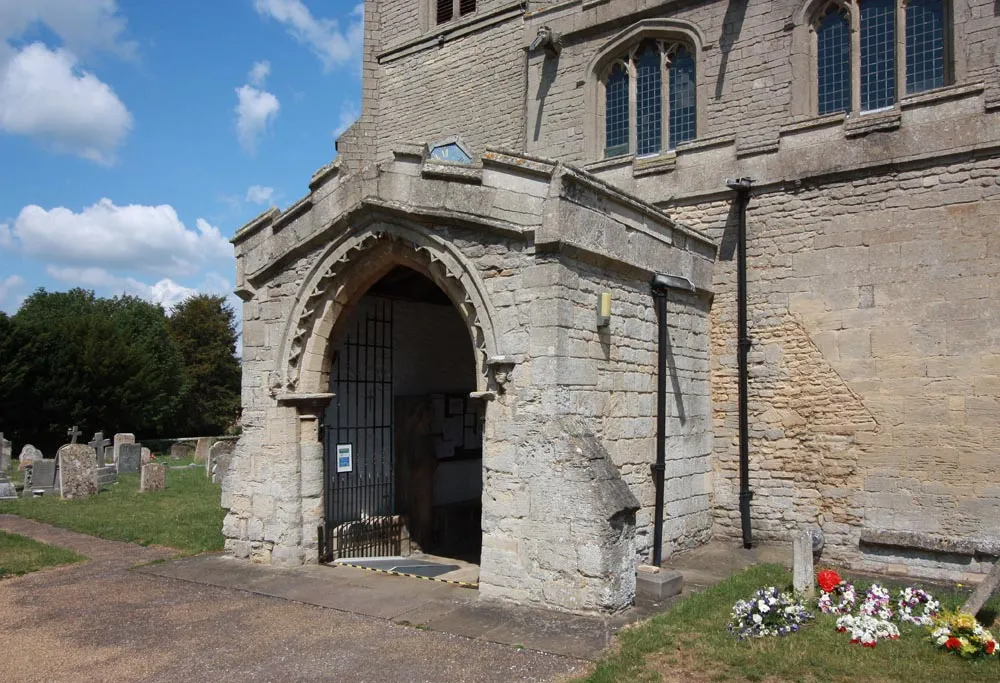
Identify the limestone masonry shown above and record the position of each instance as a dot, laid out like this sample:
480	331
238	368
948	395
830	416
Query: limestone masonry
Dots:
526	159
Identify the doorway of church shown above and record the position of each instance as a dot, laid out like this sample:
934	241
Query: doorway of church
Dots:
402	437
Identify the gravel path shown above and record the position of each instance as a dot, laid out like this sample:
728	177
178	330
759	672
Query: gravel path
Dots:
97	621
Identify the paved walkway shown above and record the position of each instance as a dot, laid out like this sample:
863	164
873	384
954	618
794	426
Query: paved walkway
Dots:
99	621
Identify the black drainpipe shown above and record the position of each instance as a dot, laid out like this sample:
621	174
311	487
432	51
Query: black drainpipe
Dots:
742	188
662	283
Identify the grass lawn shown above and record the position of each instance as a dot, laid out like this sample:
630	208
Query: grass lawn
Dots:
691	643
186	515
20	555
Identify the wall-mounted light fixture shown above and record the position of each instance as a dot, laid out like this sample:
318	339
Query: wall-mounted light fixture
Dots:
604	309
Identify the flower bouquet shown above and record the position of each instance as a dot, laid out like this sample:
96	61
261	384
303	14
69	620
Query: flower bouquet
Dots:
917	606
866	629
960	633
837	596
768	613
878	603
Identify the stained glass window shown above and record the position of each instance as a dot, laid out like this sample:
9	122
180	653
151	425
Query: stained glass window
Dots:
878	54
924	45
833	65
682	97
649	101
616	118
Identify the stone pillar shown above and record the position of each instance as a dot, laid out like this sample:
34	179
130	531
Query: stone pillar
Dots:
802	564
311	476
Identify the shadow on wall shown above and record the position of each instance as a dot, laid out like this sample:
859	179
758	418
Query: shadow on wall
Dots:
732	26
550	67
727	245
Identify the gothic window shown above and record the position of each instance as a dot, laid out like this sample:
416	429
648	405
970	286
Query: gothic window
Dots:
446	10
649	99
861	46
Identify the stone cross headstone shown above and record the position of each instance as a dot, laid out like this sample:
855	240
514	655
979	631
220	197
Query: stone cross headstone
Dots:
129	457
28	455
802	564
984	591
72	433
153	477
5	454
120	440
98	444
7	489
77	471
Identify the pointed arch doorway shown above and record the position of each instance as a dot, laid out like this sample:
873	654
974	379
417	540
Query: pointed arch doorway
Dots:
402	438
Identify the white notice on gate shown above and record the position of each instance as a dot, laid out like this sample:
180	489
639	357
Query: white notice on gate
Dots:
345	458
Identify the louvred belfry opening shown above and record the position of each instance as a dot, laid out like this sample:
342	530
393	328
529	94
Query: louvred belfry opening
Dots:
467	7
445	11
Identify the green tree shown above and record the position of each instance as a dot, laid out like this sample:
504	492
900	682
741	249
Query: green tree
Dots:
204	329
102	364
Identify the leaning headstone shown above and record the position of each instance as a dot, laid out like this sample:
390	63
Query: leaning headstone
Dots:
802	564
147	455
121	440
43	478
5	454
201	449
7	490
220	455
153	477
984	591
129	457
77	471
99	443
28	454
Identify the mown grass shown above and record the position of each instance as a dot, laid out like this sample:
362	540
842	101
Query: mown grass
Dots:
691	643
20	555
185	516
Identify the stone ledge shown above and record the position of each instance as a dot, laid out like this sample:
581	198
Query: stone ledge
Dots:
929	542
455	172
872	123
658	585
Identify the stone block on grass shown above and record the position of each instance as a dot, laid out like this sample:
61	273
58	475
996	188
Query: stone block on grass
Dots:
153	477
77	471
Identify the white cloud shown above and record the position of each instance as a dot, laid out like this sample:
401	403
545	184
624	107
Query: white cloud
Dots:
10	287
324	37
165	292
146	238
83	25
256	108
259	73
44	95
256	194
349	113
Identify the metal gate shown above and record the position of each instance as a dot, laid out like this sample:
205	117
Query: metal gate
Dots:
360	519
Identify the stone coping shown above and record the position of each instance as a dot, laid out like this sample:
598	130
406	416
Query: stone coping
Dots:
930	542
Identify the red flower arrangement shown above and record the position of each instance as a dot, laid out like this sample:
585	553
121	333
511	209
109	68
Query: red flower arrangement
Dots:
991	646
828	580
953	644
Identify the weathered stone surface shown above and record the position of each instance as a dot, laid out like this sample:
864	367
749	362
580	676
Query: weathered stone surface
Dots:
7	489
153	477
180	449
28	454
119	441
77	471
988	587
220	457
129	457
106	474
5	453
803	580
658	585
99	444
43	475
202	448
147	455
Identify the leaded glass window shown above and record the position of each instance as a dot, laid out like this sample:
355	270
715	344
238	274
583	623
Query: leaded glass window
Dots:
616	112
878	54
682	97
649	101
924	45
833	61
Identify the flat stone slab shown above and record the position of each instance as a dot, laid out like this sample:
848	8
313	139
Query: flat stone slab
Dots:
153	477
405	600
659	586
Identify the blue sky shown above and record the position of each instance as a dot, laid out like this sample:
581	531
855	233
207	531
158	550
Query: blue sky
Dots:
137	135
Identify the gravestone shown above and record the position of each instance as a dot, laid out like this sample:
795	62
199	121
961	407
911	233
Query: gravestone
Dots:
147	455
43	478
802	564
128	457
121	440
984	591
72	433
28	454
153	477
106	474
220	456
7	489
99	443
77	471
202	448
180	450
5	454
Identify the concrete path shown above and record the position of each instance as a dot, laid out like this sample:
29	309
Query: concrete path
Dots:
99	621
